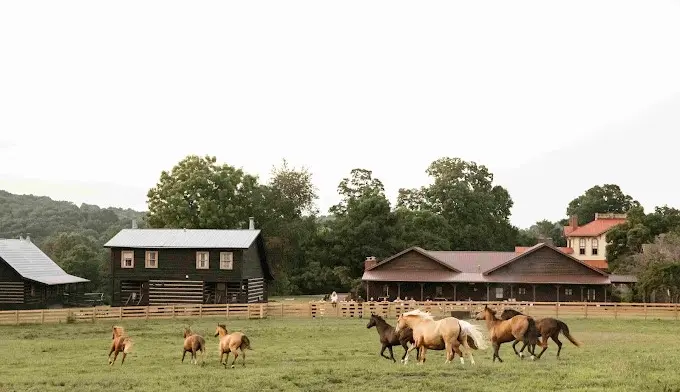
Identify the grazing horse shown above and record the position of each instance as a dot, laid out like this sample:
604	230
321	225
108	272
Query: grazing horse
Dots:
445	334
389	338
232	342
193	343
548	328
518	328
120	343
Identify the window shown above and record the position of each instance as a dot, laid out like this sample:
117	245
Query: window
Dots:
127	259
593	246
522	291
568	292
151	259
499	292
386	290
202	260
226	260
438	291
582	246
591	294
569	243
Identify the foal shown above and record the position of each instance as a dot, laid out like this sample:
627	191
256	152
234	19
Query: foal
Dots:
193	343
120	343
231	342
389	337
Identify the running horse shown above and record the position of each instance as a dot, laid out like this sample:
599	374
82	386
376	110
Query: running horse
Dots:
518	328
390	338
120	343
548	327
232	342
192	344
446	334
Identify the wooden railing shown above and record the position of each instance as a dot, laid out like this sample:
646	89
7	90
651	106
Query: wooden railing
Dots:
343	309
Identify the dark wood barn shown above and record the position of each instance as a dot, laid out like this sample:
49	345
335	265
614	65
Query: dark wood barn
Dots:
188	266
541	273
29	279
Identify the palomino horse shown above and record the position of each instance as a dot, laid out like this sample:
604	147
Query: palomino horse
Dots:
193	343
445	334
120	343
389	338
548	328
502	331
232	342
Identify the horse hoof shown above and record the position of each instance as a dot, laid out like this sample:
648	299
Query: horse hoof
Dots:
533	358
232	366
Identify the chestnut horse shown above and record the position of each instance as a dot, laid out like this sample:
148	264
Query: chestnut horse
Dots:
548	328
519	328
445	334
232	342
193	343
121	343
389	338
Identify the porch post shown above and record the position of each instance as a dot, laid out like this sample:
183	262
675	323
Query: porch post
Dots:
605	293
421	292
557	289
511	291
399	290
533	289
581	293
455	286
368	293
488	293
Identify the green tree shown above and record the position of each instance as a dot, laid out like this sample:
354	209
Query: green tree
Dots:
360	183
600	199
79	255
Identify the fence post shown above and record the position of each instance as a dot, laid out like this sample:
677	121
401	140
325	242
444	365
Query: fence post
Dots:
16	317
557	309
616	311
281	309
227	311
200	310
261	311
146	313
94	314
586	308
42	316
645	305
173	310
676	311
120	313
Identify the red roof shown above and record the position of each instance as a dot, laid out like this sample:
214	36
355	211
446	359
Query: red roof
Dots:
600	264
563	249
594	228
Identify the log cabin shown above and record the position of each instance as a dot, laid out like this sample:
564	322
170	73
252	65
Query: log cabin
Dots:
541	273
188	266
29	279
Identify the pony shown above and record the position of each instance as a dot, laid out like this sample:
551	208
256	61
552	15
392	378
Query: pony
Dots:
120	343
518	328
334	299
548	328
390	338
232	342
446	334
193	343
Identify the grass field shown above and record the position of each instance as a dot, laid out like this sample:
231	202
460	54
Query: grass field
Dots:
329	355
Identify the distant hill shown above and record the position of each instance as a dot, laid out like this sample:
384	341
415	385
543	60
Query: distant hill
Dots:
41	217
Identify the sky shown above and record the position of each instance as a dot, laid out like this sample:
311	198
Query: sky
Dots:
97	98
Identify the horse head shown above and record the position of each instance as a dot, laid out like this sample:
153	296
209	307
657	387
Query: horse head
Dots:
373	321
482	314
221	328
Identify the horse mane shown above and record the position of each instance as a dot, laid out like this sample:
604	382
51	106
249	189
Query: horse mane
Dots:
419	313
118	331
377	316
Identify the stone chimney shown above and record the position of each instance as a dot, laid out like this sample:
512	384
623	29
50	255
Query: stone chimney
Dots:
573	222
370	262
251	226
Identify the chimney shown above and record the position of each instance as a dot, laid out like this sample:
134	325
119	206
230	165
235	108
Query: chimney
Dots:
545	240
370	262
573	222
134	223
28	238
252	224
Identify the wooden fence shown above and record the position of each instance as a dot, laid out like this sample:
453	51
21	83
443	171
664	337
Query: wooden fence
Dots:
343	309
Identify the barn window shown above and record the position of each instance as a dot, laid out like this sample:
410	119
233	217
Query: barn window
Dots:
582	246
499	292
202	260
127	259
522	291
593	246
568	292
226	260
151	259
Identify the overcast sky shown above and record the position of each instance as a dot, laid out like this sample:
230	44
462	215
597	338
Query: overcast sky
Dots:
96	98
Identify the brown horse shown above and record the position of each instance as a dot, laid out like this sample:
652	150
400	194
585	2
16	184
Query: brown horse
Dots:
120	343
548	328
518	328
446	334
390	338
193	343
232	342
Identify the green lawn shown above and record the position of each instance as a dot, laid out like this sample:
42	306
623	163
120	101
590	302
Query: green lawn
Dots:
329	355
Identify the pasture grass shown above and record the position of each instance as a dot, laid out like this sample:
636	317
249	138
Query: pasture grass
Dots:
329	355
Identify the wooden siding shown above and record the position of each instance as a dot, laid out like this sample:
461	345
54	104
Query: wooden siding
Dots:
11	292
256	290
163	292
412	261
545	261
252	267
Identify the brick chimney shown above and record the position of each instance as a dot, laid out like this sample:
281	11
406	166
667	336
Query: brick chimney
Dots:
545	240
370	262
573	222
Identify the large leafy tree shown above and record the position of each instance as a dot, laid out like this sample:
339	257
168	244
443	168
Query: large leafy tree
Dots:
81	255
600	199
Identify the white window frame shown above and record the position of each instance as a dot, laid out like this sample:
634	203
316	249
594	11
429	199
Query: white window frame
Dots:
522	291
226	260
123	258
499	292
593	246
199	259
147	259
568	291
588	296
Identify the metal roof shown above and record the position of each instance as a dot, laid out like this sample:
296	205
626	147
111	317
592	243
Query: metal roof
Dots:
31	263
183	238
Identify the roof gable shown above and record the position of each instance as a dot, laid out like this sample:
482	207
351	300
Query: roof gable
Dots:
31	263
183	238
397	260
553	259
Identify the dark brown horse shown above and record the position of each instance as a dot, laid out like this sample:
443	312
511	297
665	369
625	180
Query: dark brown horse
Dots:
548	328
519	328
390	338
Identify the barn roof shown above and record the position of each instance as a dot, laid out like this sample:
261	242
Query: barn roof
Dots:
31	263
183	238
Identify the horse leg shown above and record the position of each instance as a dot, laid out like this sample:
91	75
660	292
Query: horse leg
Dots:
405	346
194	360
234	361
115	355
122	360
243	352
109	357
422	355
183	355
456	350
382	351
226	359
520	355
449	352
557	342
496	347
391	353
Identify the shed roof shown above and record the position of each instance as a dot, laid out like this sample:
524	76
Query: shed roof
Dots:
31	263
183	238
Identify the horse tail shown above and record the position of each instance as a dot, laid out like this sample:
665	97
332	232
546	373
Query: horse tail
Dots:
127	345
531	333
245	343
474	337
201	343
565	332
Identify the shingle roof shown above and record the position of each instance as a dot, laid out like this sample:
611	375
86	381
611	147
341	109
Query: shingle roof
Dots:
601	264
595	228
31	263
183	238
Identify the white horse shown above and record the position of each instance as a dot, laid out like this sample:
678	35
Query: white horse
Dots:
334	299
